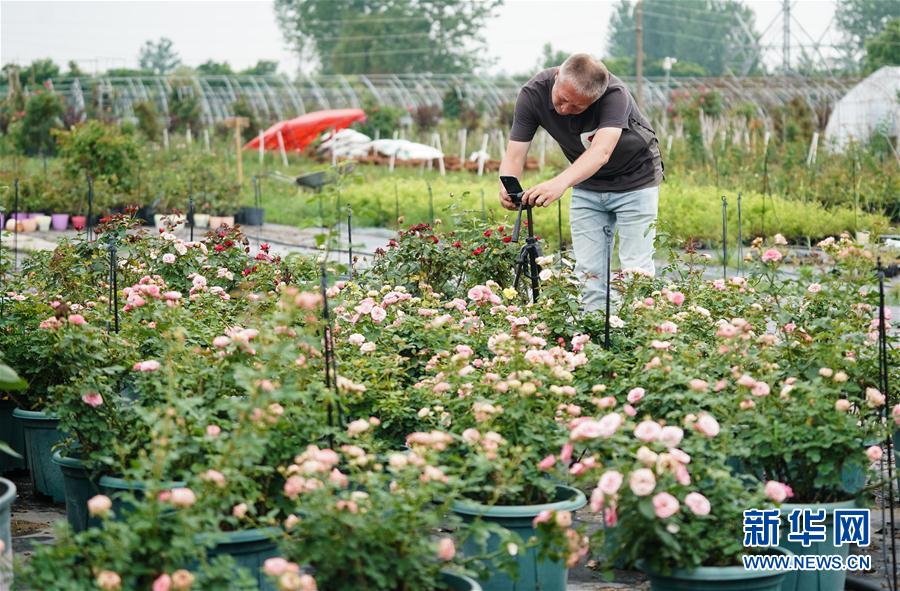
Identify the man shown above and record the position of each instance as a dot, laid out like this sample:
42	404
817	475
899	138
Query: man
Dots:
615	166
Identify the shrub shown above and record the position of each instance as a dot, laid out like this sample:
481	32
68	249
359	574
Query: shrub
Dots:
32	133
103	152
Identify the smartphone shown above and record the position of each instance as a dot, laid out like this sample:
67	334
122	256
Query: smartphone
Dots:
511	184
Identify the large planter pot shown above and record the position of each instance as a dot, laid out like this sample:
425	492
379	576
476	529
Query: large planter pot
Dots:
41	434
29	225
7	497
59	221
43	223
718	578
12	434
201	220
251	216
79	222
80	487
121	490
250	548
823	580
533	573
456	582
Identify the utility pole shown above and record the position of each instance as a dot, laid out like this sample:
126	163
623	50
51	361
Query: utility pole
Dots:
639	55
786	32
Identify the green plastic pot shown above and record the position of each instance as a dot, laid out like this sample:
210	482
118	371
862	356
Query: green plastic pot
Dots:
12	434
457	582
121	491
815	580
41	434
717	578
250	548
80	487
7	497
533	573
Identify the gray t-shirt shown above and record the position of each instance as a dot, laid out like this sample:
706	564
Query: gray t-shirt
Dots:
635	162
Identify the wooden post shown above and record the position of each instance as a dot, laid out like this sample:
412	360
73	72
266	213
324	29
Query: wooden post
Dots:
482	153
462	147
238	123
166	138
437	144
188	139
262	148
206	140
281	149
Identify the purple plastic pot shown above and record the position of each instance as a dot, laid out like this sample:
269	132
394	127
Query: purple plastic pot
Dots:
59	221
19	216
34	215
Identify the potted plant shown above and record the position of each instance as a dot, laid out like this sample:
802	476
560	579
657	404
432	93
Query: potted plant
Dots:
669	501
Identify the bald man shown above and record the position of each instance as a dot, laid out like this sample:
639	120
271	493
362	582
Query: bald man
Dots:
615	165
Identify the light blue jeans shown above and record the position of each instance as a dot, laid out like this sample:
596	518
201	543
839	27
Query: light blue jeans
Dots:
633	213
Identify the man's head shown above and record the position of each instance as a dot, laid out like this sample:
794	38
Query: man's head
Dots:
580	81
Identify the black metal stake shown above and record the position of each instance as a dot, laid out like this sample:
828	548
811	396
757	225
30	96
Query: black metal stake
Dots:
350	238
330	365
724	237
90	221
883	384
16	227
113	284
740	238
607	231
430	205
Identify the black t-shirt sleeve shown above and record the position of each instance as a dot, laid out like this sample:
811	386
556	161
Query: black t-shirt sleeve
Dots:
614	109
525	120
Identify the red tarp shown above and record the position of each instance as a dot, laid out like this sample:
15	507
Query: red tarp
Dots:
302	131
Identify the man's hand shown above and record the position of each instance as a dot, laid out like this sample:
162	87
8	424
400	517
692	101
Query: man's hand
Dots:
505	201
545	193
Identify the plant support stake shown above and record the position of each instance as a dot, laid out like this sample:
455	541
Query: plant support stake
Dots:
191	209
16	227
740	238
609	236
430	205
724	237
350	239
883	385
90	218
113	285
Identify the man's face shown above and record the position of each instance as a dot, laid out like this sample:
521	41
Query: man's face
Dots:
566	100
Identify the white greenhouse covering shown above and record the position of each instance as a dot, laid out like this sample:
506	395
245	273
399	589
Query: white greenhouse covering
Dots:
871	107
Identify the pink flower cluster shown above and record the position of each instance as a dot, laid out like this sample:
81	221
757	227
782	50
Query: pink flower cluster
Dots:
288	575
482	294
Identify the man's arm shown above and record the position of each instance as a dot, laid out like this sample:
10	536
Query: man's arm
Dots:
513	164
592	160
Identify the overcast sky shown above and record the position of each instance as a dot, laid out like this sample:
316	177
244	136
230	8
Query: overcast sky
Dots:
100	35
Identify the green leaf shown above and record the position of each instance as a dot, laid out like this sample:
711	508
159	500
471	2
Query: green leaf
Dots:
10	380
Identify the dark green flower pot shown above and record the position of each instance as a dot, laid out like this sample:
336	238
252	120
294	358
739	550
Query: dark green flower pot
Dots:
717	578
79	487
41	434
250	548
456	582
121	491
823	580
7	497
533	573
11	432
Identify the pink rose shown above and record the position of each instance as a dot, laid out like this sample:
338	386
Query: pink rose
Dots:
542	517
771	255
168	259
213	430
378	314
563	519
665	505
777	491
547	463
566	454
446	549
814	288
635	395
610	482
162	583
239	510
214	476
675	297
92	399
647	431
150	365
760	389
642	482
697	503
671	436
596	500
875	453
356	339
698	385
707	425
76	319
99	505
182	497
275	567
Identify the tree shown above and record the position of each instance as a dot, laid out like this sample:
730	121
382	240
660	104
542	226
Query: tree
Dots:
884	49
716	35
262	68
74	70
159	58
860	20
551	58
387	36
211	68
